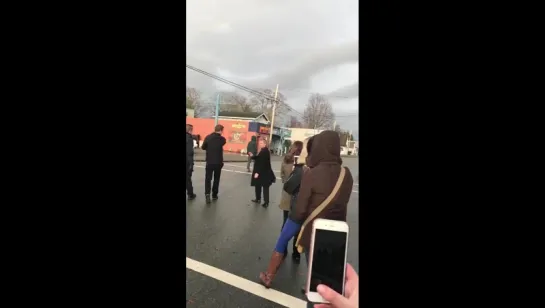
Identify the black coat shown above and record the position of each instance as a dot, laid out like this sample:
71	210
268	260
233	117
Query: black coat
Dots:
189	150
213	145
262	166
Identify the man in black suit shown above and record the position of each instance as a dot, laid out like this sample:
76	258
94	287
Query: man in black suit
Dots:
189	161
213	145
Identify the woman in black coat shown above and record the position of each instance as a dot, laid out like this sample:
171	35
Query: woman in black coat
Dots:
262	175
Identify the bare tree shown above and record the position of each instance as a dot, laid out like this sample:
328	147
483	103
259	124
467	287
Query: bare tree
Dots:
318	112
265	104
232	101
193	101
295	123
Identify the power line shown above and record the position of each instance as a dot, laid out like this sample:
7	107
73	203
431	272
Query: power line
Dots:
255	92
230	82
241	87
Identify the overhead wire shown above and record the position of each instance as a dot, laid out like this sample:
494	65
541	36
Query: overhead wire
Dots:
255	92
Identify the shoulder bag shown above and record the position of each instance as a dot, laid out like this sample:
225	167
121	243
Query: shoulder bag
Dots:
320	208
294	181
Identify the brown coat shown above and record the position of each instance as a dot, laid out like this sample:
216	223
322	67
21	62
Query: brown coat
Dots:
285	171
325	163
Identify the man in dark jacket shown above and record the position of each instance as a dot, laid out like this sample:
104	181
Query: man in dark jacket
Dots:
213	145
252	148
189	161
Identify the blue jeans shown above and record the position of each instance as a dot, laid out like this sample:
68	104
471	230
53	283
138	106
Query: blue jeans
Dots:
289	230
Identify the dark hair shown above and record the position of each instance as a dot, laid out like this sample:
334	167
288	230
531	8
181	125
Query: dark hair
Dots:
295	149
188	127
218	128
309	145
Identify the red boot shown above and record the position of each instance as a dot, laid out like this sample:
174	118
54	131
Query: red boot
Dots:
267	277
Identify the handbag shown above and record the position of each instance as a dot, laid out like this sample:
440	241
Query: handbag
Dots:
320	208
293	182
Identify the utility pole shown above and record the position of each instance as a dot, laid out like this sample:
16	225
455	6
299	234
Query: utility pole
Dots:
272	118
217	108
334	125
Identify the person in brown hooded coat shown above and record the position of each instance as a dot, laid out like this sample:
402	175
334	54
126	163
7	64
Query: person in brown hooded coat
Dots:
325	167
317	183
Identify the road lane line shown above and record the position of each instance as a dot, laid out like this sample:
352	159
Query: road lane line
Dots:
247	173
244	284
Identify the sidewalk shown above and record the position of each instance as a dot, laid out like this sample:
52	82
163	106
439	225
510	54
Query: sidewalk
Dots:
227	156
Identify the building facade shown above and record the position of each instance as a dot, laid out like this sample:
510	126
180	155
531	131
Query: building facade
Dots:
300	134
238	130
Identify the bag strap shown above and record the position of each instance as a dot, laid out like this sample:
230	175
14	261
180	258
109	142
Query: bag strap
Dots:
321	207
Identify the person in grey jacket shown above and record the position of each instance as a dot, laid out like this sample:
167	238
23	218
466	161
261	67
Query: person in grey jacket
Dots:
189	161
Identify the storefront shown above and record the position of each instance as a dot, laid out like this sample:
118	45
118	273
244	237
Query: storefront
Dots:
235	132
264	132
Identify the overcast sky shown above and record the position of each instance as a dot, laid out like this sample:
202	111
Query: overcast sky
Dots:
304	46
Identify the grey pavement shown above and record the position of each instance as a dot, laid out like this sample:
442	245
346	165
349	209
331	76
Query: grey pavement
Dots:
237	236
232	157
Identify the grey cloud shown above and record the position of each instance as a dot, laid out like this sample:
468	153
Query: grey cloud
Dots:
350	91
288	42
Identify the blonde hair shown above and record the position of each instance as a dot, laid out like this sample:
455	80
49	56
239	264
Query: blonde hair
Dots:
304	153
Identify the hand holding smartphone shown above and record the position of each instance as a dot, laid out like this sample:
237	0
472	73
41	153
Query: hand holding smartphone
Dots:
327	258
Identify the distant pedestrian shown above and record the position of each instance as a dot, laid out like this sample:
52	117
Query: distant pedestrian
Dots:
198	138
251	150
213	145
263	176
189	161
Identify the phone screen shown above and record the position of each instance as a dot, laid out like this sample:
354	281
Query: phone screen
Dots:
328	260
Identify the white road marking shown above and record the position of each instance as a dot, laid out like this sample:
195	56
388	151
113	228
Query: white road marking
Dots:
245	172
244	284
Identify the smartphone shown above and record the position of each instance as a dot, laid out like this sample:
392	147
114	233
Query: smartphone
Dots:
327	257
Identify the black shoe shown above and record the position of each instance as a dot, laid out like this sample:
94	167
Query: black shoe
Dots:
214	198
256	201
296	256
266	204
191	197
207	199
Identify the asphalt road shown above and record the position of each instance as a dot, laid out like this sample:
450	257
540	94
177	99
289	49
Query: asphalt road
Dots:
236	236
